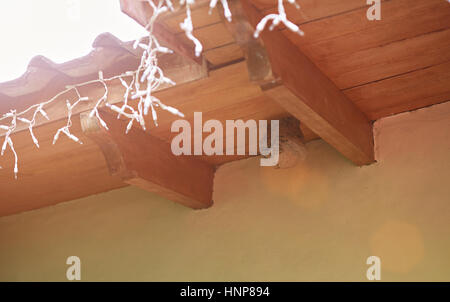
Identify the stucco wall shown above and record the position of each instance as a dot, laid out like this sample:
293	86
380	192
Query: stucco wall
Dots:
317	222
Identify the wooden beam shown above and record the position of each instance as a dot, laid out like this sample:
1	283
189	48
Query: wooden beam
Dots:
144	161
141	12
256	57
295	83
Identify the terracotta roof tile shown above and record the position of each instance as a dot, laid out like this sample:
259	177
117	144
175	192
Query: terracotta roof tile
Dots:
45	78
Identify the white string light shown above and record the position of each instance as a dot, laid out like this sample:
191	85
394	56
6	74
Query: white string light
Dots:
188	28
148	73
276	19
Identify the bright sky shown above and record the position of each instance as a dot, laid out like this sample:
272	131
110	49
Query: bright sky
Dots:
58	29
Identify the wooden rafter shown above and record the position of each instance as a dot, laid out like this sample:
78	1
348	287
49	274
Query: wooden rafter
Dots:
295	83
144	161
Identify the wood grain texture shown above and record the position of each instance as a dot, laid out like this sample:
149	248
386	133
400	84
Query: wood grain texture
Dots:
311	9
201	17
256	56
147	162
312	98
351	31
52	173
349	49
141	12
224	54
211	36
402	93
218	46
369	65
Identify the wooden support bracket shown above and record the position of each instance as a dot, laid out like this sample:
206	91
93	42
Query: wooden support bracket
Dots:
144	161
289	78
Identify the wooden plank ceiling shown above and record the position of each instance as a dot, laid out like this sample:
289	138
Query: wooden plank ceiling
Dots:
383	67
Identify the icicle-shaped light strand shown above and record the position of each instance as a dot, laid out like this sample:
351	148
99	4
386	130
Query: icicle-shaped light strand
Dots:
66	129
8	141
188	29
226	9
148	72
276	19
